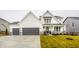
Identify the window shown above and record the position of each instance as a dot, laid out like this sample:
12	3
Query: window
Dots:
47	20
57	29
72	24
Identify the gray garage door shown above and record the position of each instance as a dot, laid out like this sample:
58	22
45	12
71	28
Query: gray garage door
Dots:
15	31
30	31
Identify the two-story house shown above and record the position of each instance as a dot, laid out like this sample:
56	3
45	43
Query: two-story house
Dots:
52	24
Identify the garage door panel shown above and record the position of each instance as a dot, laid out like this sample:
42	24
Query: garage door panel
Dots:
15	31
30	31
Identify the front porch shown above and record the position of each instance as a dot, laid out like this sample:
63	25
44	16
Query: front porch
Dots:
54	28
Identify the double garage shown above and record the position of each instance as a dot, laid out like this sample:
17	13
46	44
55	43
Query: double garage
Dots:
26	31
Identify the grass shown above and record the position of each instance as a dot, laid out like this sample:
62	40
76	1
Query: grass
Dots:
59	41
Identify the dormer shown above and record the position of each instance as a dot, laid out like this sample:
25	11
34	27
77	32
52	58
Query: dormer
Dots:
47	17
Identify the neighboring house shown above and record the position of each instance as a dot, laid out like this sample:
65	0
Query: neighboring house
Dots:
31	25
4	25
72	24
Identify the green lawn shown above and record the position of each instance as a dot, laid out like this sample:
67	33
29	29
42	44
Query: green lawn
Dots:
59	41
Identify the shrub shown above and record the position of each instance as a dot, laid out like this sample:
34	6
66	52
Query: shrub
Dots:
47	32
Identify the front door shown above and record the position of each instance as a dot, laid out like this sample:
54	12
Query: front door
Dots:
47	30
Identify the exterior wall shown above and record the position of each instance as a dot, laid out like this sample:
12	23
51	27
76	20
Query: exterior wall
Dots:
13	26
69	22
42	20
53	20
51	28
31	22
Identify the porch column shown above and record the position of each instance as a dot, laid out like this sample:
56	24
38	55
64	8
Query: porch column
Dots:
53	28
11	33
64	29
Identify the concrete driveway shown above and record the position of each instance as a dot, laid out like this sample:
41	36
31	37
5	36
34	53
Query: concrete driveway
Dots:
27	41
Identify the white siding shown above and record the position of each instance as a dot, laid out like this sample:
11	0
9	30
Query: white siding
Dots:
54	21
13	26
30	21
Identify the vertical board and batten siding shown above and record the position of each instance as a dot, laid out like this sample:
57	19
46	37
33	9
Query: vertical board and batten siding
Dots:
30	25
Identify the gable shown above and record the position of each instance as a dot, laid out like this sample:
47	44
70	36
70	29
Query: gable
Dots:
28	14
47	13
30	20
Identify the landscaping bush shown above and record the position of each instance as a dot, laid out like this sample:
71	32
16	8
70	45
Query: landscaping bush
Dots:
64	33
47	32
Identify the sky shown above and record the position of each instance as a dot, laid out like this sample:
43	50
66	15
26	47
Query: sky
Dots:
17	15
